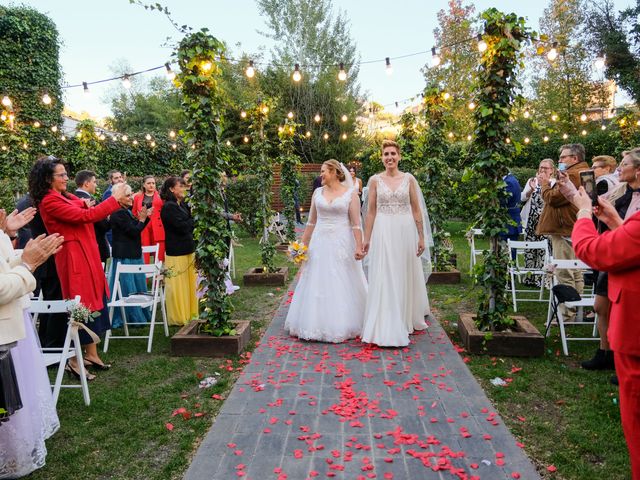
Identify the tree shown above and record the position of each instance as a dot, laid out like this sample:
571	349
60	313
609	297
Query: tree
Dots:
307	33
454	75
563	87
617	36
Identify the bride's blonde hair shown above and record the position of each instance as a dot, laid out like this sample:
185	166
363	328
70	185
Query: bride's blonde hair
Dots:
335	166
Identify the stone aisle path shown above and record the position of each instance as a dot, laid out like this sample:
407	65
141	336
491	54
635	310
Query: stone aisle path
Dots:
305	410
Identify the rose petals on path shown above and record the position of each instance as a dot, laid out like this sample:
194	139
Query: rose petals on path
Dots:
552	468
169	426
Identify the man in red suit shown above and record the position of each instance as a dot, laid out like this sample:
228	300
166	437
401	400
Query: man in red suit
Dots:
618	253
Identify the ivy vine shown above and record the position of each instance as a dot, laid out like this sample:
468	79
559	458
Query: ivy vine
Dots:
199	80
497	88
290	164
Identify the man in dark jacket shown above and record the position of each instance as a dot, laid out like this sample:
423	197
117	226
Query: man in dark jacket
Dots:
86	183
559	215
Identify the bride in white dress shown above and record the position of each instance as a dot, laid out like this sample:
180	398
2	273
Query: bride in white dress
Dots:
329	300
396	229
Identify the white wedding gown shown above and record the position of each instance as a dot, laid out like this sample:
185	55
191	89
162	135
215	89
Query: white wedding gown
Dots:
397	301
329	300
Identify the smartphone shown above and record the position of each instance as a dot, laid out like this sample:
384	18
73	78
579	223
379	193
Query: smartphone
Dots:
147	204
588	181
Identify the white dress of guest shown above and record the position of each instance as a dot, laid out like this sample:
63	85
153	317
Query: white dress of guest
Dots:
22	436
397	302
329	299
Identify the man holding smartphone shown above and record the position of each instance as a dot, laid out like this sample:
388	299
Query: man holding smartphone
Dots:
559	215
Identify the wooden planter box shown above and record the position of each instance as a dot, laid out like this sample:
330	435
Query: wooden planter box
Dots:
257	276
444	278
523	341
282	247
188	342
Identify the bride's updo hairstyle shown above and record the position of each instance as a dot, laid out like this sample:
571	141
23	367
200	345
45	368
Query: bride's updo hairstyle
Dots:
335	166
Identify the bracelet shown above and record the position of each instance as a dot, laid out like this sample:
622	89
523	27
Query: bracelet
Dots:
27	266
588	211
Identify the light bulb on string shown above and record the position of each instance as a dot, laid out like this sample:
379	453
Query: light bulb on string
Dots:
446	95
296	76
638	123
344	118
565	136
554	117
36	124
508	140
172	134
147	137
344	136
153	144
250	71
553	53
471	105
54	129
264	109
243	114
435	58
125	138
450	135
46	99
308	134
3	117
206	66
583	132
44	143
583	117
317	118
280	129
135	142
325	136
482	45
388	68
126	81
85	88
290	115
526	140
245	139
228	143
599	63
469	137
63	138
174	146
342	74
6	101
526	114
171	75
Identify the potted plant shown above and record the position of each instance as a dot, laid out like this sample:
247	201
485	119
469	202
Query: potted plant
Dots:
492	329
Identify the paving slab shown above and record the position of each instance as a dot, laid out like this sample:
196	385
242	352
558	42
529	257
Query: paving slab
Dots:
305	410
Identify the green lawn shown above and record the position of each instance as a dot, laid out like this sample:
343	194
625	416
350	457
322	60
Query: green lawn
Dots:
565	416
123	434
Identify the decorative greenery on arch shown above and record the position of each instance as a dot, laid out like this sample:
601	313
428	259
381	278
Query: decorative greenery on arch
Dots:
497	88
199	79
289	163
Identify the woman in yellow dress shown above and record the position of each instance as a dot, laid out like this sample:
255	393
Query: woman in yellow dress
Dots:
182	302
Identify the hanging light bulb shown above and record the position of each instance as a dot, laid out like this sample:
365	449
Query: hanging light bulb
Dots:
469	137
471	105
171	75
243	114
583	132
290	115
63	138
344	118
280	129
147	137
264	109
583	117
553	53
450	135
172	134
46	99
526	140
526	114
228	143
638	123
297	76
4	148
603	127
174	146
554	117
344	136
508	140
135	142
44	143
3	117
342	74
126	81
388	68
36	124
317	118
565	136
206	66
435	58
125	138
85	87
446	95
153	144
325	136
54	129
6	101
600	61
308	134
245	139
482	45
250	71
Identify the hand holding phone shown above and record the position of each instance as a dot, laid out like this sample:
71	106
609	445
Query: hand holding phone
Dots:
588	181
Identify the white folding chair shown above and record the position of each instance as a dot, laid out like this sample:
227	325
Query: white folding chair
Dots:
59	356
473	258
519	270
276	226
138	299
556	300
232	260
151	250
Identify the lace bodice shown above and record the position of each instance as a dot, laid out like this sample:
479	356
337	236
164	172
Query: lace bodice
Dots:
393	201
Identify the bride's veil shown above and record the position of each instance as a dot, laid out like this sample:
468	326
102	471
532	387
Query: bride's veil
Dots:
348	181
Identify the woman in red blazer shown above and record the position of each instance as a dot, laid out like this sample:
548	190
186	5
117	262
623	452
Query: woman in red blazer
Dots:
78	263
154	232
618	253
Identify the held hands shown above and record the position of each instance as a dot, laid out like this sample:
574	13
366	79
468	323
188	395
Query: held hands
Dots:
38	249
365	247
359	255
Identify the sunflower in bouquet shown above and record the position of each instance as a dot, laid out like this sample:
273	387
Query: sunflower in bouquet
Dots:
297	252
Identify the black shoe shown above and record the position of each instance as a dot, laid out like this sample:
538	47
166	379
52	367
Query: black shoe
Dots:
614	381
602	360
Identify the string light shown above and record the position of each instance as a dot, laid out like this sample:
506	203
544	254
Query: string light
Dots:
79	135
308	134
342	74
508	140
206	66
102	137
135	142
250	71
243	114
245	139
126	82
565	136
228	143
435	58
317	118
600	61
46	99
344	118
344	136
482	45
63	138
469	137
325	136
264	109
290	115
583	132
471	105
553	53
297	76
147	137
526	140
638	123
36	124
3	117
554	117
388	67
153	144
6	101
450	135
171	75
280	129
85	88
44	143
54	129
526	114
125	138
446	95
174	146
583	117
172	134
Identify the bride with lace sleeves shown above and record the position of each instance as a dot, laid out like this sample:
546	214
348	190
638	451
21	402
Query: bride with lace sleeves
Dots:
396	228
329	300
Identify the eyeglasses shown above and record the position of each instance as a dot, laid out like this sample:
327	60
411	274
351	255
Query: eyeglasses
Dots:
566	156
597	166
61	175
